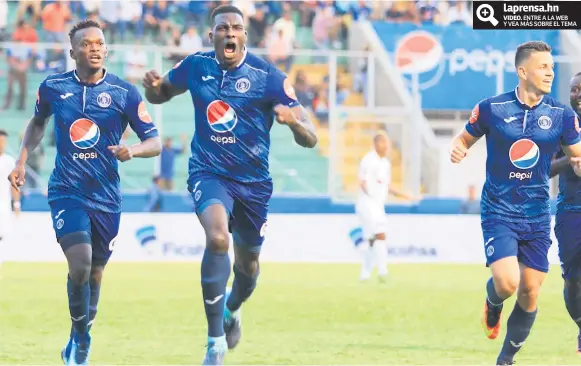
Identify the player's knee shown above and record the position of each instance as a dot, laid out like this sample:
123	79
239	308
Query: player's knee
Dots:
218	241
506	287
80	271
96	273
248	266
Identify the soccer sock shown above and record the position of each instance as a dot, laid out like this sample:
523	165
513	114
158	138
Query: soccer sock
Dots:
79	296
518	328
215	274
572	295
368	262
94	300
380	247
493	298
242	288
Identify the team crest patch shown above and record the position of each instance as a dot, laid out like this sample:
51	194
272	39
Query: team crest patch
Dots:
289	90
104	100
242	85
474	115
143	113
545	122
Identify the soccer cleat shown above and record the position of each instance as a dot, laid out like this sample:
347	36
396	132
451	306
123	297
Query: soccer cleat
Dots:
66	352
80	350
499	363
579	344
232	324
215	353
491	320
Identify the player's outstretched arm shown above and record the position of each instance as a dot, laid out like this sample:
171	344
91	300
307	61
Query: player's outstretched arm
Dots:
298	120
159	90
460	145
402	194
32	137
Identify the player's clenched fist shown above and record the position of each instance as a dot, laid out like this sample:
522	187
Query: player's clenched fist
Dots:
151	80
16	177
121	152
284	115
457	154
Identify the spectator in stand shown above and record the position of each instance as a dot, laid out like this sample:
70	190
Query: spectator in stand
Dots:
161	15
135	64
459	14
174	41
24	33
154	196
286	27
402	11
3	20
428	12
20	58
323	23
190	41
247	7
54	20
167	162
307	10
130	17
303	90
196	12
30	7
321	103
257	25
472	204
279	50
110	12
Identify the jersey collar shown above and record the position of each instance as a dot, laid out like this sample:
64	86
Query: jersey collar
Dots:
97	83
522	104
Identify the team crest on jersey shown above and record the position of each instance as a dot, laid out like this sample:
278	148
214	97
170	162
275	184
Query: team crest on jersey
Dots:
545	122
104	100
474	115
84	133
524	154
242	85
221	117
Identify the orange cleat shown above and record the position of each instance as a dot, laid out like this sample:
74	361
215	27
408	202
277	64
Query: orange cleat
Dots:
491	319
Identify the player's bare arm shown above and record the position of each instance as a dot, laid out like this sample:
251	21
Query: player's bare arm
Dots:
460	146
146	149
401	193
298	120
158	89
558	165
574	154
32	137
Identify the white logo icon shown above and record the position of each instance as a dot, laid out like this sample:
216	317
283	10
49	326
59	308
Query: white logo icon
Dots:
488	241
545	122
517	345
198	195
79	318
490	251
58	214
242	85
510	119
485	13
60	223
65	96
263	229
104	100
209	77
216	299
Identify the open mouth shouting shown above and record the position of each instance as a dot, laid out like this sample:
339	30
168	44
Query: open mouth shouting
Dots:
230	49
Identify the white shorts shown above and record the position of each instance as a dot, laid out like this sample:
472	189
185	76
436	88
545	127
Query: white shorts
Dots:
372	218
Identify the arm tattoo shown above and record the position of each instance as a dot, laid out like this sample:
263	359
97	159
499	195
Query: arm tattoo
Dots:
304	130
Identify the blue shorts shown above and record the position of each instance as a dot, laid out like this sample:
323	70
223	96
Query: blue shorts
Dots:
102	227
245	203
529	242
568	233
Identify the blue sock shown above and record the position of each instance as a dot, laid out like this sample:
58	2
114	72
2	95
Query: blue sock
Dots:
242	288
493	298
93	302
215	274
79	306
518	328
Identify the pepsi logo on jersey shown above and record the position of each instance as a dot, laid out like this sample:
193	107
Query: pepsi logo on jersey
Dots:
84	134
523	154
222	118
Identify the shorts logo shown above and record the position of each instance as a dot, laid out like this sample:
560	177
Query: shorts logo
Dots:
84	133
60	223
524	154
112	244
490	251
242	85
104	100
198	195
545	122
221	117
263	229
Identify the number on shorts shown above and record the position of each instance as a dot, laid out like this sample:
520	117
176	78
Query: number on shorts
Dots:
112	244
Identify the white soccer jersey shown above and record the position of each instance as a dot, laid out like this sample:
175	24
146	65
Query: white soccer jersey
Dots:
6	165
376	172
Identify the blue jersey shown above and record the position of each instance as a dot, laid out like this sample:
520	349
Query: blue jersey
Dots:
88	118
520	142
233	113
569	198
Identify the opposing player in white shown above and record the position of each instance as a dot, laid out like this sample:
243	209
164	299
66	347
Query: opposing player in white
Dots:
375	179
9	197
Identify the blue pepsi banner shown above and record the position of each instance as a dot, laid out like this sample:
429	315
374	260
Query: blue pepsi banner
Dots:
458	66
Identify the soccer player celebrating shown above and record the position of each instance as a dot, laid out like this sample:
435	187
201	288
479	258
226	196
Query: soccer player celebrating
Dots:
523	129
236	97
91	109
375	179
568	221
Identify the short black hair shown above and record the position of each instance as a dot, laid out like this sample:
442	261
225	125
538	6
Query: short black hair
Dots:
83	24
225	9
3	133
524	50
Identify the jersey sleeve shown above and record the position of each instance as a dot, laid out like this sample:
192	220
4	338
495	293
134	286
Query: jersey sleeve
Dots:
180	74
478	123
42	108
280	90
570	135
138	116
